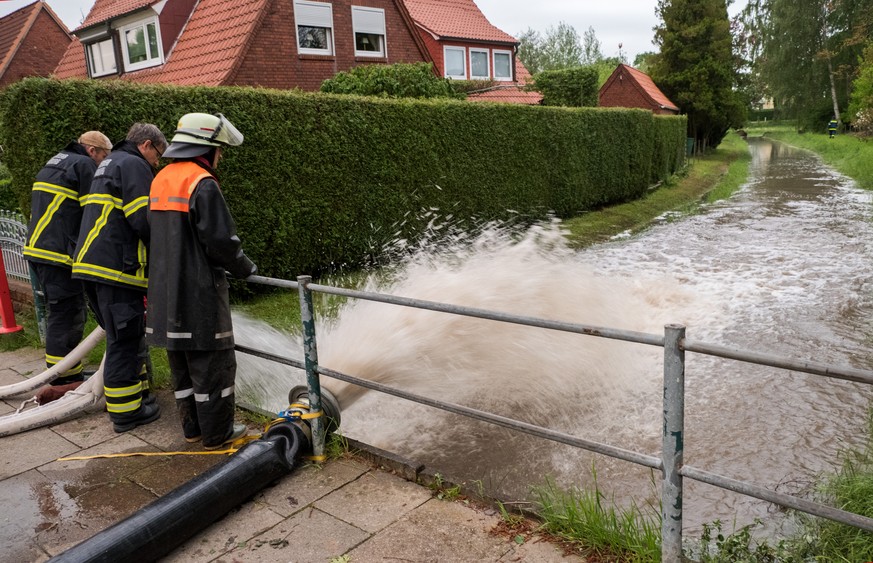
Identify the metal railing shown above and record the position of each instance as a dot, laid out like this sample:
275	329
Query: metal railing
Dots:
13	233
675	346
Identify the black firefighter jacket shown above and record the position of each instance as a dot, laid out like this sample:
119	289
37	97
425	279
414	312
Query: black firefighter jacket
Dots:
55	210
114	236
193	242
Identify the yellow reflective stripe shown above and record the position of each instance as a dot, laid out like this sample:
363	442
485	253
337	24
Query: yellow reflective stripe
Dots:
95	230
101	199
55	189
136	205
142	256
124	407
109	274
48	255
46	217
122	391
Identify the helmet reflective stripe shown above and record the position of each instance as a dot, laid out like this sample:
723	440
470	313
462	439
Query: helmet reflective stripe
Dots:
205	129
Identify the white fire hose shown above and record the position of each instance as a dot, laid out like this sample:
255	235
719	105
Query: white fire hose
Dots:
88	397
70	360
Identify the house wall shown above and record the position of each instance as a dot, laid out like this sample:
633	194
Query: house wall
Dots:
40	52
626	94
272	59
173	18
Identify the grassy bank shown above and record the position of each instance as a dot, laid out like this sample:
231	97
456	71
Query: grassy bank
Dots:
851	155
707	178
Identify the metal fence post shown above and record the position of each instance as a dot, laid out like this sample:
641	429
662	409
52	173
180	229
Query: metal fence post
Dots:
672	445
310	350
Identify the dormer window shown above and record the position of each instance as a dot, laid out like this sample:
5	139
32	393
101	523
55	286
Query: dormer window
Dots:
502	65
141	45
101	58
479	68
455	62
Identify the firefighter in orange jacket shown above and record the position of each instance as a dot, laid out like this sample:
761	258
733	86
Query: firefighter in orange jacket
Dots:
193	243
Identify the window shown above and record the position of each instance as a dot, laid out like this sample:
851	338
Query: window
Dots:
369	27
101	58
141	45
502	65
314	27
479	68
455	61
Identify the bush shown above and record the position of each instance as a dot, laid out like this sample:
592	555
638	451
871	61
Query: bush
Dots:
400	80
572	87
324	181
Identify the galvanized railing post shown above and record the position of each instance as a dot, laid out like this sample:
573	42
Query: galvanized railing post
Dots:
310	351
672	445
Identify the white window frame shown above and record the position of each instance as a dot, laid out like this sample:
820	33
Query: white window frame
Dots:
107	43
314	14
152	59
463	51
370	21
494	65
487	54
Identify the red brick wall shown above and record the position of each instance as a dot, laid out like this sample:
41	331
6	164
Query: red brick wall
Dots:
272	60
624	94
40	52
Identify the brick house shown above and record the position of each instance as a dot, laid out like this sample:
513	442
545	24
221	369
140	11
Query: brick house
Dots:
270	43
464	45
628	87
32	41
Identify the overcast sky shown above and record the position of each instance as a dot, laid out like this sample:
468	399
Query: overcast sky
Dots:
628	22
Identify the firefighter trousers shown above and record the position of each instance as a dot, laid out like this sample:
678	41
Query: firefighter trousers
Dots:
204	390
65	316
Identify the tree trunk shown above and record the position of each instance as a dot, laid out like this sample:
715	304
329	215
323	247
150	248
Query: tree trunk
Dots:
833	88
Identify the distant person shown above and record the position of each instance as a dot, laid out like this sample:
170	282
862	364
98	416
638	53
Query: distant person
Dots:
112	260
193	242
832	128
55	216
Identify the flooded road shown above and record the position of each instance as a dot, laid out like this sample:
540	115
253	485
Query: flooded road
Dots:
781	267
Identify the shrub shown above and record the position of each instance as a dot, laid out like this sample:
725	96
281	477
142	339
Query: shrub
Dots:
399	80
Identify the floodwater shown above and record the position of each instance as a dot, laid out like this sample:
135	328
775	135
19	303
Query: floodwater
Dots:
781	267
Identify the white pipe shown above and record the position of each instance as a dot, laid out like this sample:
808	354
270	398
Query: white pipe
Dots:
70	360
86	397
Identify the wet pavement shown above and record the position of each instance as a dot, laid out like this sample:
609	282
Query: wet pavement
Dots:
356	509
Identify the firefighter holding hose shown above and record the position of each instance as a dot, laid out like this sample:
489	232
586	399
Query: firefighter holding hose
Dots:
193	243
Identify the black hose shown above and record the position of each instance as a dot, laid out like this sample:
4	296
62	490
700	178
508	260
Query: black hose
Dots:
157	529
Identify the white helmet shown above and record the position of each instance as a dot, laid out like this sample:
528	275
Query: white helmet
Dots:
196	132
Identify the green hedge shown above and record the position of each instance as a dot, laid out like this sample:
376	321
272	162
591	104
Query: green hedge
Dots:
570	87
669	152
327	180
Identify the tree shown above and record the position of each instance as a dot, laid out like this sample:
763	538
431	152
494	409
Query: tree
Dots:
861	103
559	48
695	67
643	61
590	47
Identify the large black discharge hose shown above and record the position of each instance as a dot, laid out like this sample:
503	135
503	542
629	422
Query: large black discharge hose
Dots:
157	529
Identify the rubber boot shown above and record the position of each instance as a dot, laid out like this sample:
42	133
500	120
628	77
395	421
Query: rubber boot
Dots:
128	421
237	431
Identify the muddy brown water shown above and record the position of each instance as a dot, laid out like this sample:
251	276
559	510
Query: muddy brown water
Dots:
781	267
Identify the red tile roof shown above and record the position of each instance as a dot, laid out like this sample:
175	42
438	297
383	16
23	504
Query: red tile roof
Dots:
649	87
456	19
207	53
13	28
107	9
507	94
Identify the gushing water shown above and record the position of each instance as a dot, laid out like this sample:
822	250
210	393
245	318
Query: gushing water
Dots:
782	267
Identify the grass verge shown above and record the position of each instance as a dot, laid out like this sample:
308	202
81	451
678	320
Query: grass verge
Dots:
708	178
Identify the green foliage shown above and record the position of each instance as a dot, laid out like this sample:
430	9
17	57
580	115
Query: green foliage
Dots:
587	518
8	199
560	47
695	67
399	80
572	87
325	182
861	106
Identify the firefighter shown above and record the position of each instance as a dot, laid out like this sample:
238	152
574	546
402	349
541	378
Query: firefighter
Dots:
55	215
194	242
832	128
112	260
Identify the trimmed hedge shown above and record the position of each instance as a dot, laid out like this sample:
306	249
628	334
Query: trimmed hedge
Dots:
326	180
571	87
